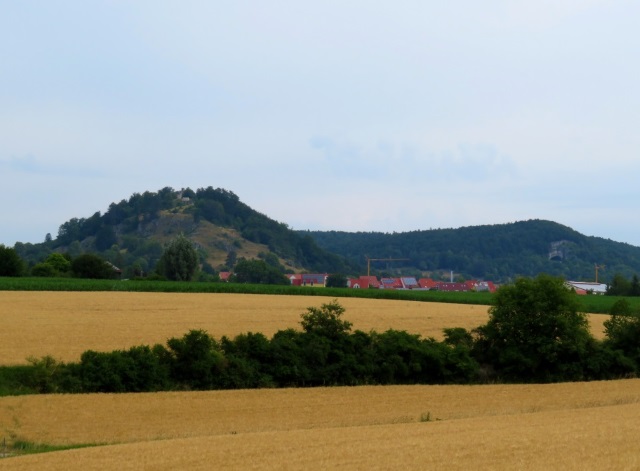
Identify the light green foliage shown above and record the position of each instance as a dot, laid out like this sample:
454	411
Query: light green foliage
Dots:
55	264
325	320
59	262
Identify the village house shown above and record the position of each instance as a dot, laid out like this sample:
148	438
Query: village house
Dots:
308	279
363	282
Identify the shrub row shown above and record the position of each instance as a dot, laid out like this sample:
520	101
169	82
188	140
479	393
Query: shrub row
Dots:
326	352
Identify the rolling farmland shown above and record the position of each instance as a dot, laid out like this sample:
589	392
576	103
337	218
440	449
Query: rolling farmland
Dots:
65	324
561	426
566	426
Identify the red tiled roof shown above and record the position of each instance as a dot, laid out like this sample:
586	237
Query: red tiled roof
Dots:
427	283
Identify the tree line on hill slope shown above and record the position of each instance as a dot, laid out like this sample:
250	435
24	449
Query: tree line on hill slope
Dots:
179	262
498	252
125	236
534	334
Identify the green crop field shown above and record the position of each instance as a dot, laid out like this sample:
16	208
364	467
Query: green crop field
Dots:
590	304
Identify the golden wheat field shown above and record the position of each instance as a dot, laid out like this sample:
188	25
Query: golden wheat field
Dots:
65	324
559	426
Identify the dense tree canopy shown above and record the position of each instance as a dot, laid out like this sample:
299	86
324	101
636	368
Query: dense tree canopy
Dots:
336	280
179	261
126	234
622	331
497	252
90	265
258	271
10	262
535	332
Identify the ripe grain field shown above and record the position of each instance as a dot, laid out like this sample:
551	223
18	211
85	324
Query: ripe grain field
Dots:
65	324
559	426
556	426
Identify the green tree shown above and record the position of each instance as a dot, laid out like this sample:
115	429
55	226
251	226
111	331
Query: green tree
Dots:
619	286
336	281
257	271
535	332
44	270
105	238
89	265
10	262
60	262
634	290
179	260
55	264
195	360
622	331
230	261
325	320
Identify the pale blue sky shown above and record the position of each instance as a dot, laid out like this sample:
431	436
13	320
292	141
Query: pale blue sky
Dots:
347	115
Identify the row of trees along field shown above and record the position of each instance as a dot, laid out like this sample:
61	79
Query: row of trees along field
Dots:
534	334
179	261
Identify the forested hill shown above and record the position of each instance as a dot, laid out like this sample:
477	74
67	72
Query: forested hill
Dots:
133	233
494	252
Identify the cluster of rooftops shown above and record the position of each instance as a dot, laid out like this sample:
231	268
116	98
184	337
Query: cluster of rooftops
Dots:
402	282
410	282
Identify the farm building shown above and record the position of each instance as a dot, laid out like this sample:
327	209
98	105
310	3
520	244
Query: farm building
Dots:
588	287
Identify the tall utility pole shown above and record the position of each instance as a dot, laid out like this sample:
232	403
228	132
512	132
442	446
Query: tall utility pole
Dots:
597	268
369	260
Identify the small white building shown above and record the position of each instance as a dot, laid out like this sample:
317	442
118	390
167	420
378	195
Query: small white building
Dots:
589	286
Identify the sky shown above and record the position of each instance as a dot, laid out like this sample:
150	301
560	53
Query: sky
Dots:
351	115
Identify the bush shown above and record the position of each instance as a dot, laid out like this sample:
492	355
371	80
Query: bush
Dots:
622	332
138	369
195	360
535	332
44	270
92	266
325	320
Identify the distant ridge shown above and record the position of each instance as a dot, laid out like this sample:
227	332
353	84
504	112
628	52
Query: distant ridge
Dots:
131	234
497	252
